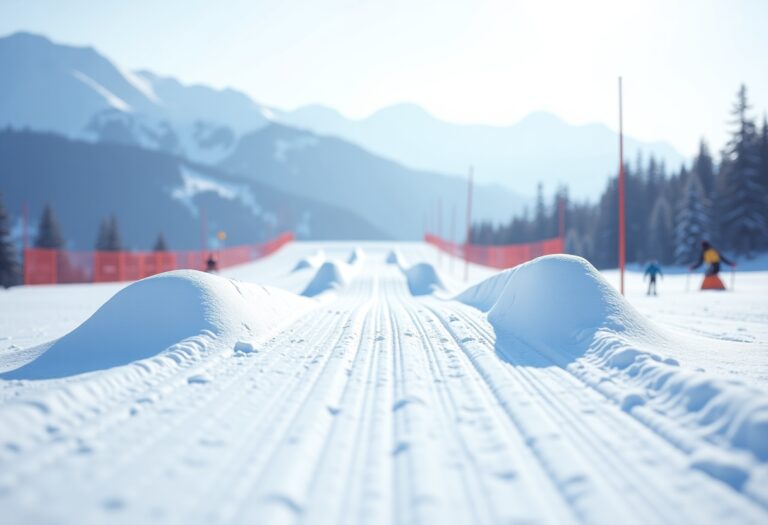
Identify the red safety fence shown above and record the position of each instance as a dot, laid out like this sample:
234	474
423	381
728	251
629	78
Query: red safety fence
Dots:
504	256
45	266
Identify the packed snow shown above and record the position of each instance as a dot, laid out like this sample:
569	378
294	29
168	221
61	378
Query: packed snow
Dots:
162	310
396	393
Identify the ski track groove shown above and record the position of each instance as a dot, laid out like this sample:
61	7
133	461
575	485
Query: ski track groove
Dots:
376	407
549	385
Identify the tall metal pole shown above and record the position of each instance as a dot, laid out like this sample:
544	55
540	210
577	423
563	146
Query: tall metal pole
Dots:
622	231
561	217
468	239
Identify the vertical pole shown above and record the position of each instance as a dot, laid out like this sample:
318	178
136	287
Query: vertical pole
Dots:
622	236
468	239
561	218
453	236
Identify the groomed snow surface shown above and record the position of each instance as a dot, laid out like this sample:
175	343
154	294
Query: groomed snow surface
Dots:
366	383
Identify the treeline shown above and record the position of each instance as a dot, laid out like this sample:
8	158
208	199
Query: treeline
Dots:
724	201
49	235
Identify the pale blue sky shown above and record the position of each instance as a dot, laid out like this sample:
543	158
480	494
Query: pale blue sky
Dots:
485	61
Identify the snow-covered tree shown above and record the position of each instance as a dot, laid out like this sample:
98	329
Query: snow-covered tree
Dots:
741	208
49	232
704	167
160	244
108	239
691	221
660	233
764	170
9	263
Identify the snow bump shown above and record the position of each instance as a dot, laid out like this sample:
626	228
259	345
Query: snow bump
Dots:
156	314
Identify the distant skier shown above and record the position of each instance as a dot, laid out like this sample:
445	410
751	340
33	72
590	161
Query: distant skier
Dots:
713	258
652	271
211	264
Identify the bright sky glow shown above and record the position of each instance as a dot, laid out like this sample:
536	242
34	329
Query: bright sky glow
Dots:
483	61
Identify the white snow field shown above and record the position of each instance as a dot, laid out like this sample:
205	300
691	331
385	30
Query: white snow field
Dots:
366	383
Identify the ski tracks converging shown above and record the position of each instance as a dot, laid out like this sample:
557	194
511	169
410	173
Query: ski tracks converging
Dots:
376	407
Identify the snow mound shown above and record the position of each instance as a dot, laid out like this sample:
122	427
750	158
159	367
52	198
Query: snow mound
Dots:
563	308
330	276
312	261
395	257
559	300
423	279
149	316
356	256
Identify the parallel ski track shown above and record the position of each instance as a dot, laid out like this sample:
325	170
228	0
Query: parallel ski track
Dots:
628	455
375	408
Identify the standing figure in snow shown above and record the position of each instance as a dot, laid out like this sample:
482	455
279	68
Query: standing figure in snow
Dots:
212	265
712	257
652	271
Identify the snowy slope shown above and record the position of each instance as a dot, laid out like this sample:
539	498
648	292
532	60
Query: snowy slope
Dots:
379	406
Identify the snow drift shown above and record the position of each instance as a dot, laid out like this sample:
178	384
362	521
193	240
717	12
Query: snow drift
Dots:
395	257
356	256
423	279
150	315
312	261
330	276
563	308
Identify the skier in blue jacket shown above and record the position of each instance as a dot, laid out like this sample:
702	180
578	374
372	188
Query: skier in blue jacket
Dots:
652	270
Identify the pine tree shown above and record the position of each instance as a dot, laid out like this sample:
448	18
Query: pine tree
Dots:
102	238
660	233
704	167
160	244
9	263
691	221
115	243
742	203
49	232
540	217
764	172
108	239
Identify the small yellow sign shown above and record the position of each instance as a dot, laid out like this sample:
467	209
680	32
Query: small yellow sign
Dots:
222	235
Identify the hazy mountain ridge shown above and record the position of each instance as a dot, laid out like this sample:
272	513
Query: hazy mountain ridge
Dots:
208	125
540	147
77	92
152	192
334	171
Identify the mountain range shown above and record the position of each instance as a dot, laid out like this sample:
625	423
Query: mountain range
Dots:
387	171
539	148
153	192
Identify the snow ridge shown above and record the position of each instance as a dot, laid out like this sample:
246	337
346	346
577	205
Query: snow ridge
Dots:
563	308
147	317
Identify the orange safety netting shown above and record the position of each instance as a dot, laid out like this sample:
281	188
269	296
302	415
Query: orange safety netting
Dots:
505	256
46	266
